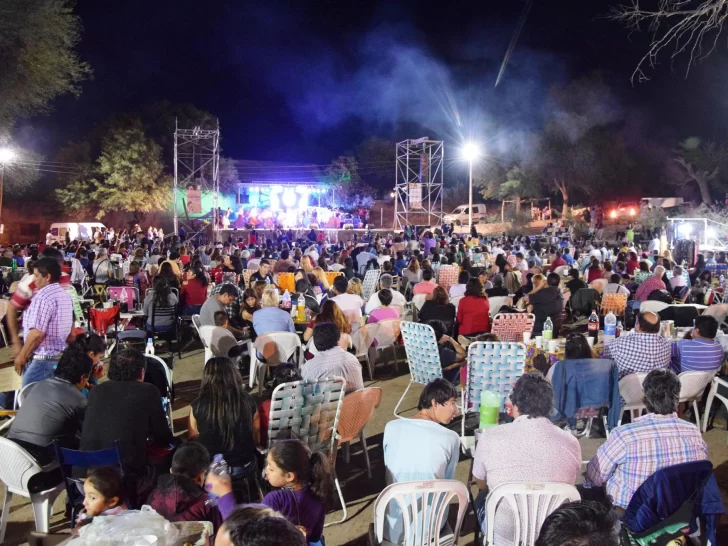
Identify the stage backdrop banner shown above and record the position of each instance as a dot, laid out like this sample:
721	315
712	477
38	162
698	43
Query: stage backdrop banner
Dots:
194	200
415	196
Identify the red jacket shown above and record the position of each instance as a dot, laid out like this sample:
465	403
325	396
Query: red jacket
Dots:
193	293
473	315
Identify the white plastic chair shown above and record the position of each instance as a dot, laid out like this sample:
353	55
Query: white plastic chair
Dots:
711	396
423	355
419	300
287	344
362	340
422	527
692	387
17	467
23	393
531	504
653	306
456	301
198	328
496	303
630	388
386	336
3	311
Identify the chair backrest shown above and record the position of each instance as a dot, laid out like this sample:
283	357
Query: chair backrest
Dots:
166	372
456	301
693	384
653	306
421	348
24	392
159	311
331	275
511	326
615	303
286	282
424	508
356	410
363	338
17	467
369	285
308	411
85	459
353	318
286	343
419	300
132	294
496	303
197	324
630	389
492	366
531	503
218	340
448	276
388	332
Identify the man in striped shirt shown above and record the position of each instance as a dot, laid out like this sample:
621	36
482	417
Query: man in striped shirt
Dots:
657	440
701	353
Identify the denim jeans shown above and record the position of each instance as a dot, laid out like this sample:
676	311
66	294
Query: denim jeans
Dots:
38	370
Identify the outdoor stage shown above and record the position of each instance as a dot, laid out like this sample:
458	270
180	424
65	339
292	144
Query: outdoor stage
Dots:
340	235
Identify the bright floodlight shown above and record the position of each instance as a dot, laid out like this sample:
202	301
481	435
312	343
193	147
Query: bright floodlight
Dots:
289	199
6	155
685	229
471	151
710	232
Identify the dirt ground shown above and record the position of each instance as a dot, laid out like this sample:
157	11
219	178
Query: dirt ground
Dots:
359	492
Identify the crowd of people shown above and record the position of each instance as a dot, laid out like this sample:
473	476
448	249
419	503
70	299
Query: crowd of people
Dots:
234	288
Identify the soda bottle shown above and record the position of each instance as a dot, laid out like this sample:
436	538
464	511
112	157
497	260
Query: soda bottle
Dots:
610	327
15	265
593	326
301	307
489	408
548	329
620	329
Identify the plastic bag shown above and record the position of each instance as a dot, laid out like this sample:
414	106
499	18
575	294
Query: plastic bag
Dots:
143	527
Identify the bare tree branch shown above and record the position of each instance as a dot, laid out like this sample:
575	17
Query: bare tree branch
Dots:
674	24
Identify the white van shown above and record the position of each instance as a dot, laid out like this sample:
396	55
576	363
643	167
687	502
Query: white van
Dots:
82	231
460	215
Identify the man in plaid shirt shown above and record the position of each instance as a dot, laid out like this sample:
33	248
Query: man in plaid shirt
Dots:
650	284
233	309
640	351
47	324
659	439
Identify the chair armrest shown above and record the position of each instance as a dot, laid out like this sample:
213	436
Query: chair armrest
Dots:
721	381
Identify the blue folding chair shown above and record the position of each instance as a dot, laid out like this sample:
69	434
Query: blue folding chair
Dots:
68	458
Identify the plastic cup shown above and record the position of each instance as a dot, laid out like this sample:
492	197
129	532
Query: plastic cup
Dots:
539	341
590	341
526	337
552	345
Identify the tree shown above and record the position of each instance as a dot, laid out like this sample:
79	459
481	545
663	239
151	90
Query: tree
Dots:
674	25
520	183
348	189
77	186
228	176
38	60
132	174
701	163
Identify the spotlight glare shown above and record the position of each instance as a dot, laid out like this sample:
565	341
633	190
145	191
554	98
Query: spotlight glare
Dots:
471	151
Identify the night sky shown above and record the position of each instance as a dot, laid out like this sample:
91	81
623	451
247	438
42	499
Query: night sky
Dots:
306	81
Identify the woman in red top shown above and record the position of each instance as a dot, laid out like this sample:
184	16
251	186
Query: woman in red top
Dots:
594	272
194	291
183	256
473	310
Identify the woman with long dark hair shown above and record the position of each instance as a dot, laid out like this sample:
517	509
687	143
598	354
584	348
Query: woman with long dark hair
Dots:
224	419
160	296
167	271
194	291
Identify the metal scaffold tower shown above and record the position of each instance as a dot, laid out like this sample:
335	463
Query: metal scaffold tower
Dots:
197	163
418	182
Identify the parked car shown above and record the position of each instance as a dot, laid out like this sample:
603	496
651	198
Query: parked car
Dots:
459	216
625	210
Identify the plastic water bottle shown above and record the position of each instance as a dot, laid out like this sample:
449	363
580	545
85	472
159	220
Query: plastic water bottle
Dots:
301	307
620	329
722	280
219	467
593	327
548	330
286	300
150	347
489	408
610	327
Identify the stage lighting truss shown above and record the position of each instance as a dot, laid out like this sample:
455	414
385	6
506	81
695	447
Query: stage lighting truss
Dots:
418	182
197	163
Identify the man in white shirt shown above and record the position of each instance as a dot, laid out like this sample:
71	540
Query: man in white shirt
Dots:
331	360
49	239
385	283
362	259
312	252
615	286
346	302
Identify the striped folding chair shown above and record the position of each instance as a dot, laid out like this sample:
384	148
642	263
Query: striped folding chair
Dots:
331	275
448	276
492	366
369	285
615	303
423	356
308	411
285	282
512	326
